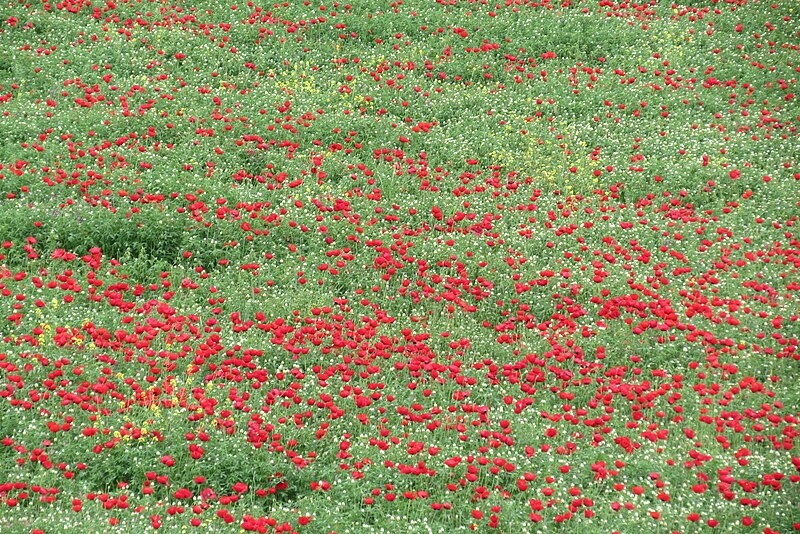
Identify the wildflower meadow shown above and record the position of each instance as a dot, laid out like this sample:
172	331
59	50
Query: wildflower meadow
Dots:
315	266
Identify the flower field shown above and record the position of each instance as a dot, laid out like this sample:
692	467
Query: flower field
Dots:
399	266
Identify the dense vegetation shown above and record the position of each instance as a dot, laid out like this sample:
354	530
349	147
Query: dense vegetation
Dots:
399	265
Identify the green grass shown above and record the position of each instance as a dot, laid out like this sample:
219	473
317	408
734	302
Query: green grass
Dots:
406	266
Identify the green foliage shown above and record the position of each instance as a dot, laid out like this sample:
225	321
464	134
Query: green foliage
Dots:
403	266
